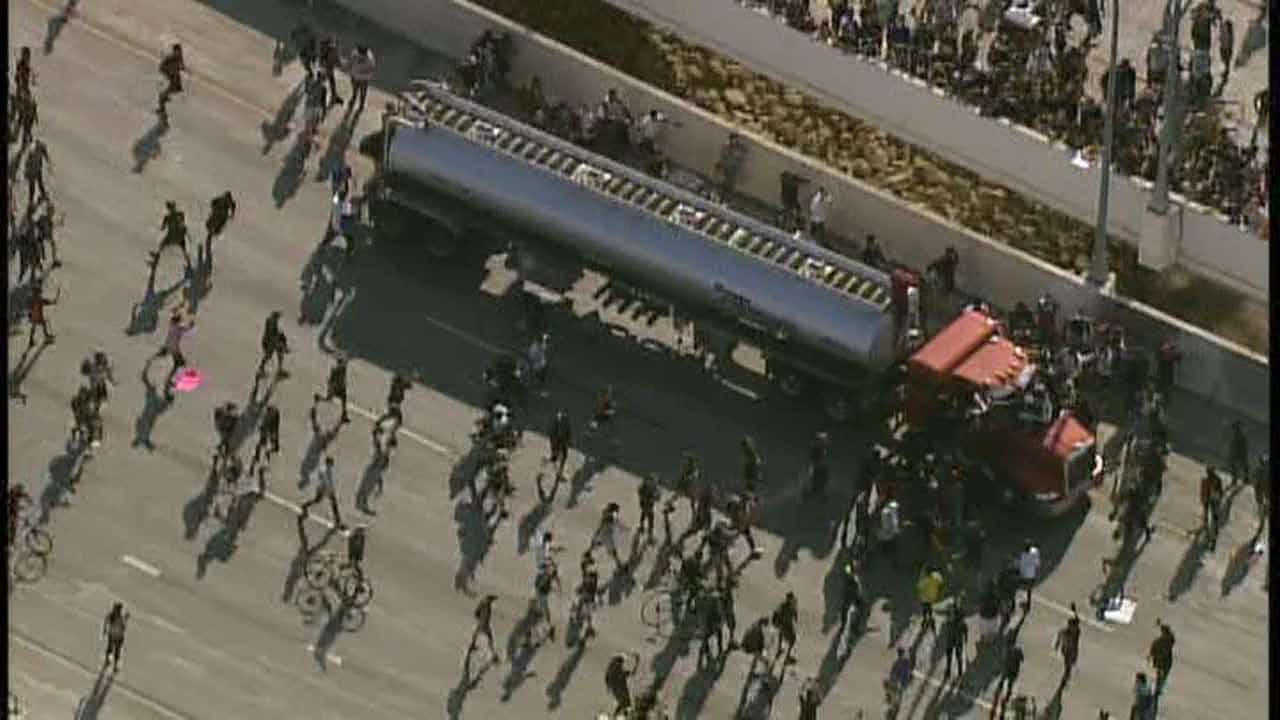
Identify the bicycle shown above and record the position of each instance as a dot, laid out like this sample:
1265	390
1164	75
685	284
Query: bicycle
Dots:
32	537
326	570
312	602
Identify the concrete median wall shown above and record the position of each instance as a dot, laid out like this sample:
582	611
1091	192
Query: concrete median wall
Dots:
1214	368
1016	157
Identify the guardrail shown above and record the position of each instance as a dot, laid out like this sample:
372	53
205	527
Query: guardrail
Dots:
1214	368
1019	158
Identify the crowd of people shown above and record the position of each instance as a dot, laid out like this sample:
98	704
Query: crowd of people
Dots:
1033	73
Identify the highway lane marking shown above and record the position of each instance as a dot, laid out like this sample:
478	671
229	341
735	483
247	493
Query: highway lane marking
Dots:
478	342
296	509
141	565
117	686
335	659
420	439
939	684
1091	622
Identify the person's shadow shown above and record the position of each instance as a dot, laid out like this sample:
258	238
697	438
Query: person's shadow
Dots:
56	23
91	704
277	128
148	147
26	363
64	473
371	481
297	567
153	406
292	172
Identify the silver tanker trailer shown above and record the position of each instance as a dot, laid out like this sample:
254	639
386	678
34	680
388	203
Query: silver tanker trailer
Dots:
822	321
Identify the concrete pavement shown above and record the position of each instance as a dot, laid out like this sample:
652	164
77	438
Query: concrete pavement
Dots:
215	631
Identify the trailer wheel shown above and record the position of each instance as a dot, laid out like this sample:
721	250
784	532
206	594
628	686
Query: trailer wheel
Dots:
790	383
839	407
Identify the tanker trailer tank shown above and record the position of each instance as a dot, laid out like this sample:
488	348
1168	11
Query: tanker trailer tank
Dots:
677	244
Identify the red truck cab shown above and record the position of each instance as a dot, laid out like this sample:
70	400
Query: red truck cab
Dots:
1052	466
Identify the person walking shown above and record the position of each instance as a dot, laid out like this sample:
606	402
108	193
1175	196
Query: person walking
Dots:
810	699
221	209
23	75
955	636
742	511
45	223
314	105
607	533
1028	570
887	531
326	489
1161	655
752	465
27	115
37	314
852	601
1238	454
336	389
174	227
360	67
616	675
1067	642
784	619
179	327
394	414
113	628
171	67
33	171
1210	505
648	495
274	345
484	628
330	59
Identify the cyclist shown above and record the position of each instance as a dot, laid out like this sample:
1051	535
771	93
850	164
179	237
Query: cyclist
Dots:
355	552
899	677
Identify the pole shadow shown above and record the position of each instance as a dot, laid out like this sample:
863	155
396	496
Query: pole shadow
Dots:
149	146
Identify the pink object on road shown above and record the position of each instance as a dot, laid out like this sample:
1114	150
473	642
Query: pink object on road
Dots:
188	379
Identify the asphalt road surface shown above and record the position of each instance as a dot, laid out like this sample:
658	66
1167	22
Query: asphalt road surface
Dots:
215	632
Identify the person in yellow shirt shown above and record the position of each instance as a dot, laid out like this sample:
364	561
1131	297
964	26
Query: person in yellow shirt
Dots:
929	592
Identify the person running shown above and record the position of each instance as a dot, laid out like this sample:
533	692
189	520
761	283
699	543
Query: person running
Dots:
174	227
274	345
37	313
171	67
400	384
222	208
113	628
955	636
647	496
336	390
268	444
1161	655
326	489
484	627
616	675
33	170
1067	642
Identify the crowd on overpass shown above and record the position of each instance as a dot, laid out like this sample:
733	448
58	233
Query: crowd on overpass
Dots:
1023	60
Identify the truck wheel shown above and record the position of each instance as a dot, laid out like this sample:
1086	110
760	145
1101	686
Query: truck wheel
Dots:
790	383
839	407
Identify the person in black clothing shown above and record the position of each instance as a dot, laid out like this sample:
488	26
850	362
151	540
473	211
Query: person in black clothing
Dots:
648	498
945	269
615	679
33	171
336	390
225	419
560	435
355	551
852	601
394	414
1161	655
690	475
304	40
30	263
1068	643
784	619
484	627
268	443
113	628
1010	668
810	699
741	511
872	255
728	609
22	73
171	67
790	196
221	209
1167	360
174	227
955	636
1238	454
712	622
28	114
44	226
274	344
330	59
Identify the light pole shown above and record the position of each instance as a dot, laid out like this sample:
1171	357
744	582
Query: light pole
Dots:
1098	266
1170	141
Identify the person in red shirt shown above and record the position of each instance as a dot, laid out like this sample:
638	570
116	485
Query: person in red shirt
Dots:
37	313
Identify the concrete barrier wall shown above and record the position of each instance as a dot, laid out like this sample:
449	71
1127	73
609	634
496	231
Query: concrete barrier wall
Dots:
1221	371
1016	157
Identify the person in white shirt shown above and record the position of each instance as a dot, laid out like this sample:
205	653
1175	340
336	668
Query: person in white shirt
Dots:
326	488
818	206
179	327
360	67
543	550
1029	568
887	531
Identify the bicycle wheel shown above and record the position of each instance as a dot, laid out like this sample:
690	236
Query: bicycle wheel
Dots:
319	572
39	541
29	567
357	591
312	604
656	612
